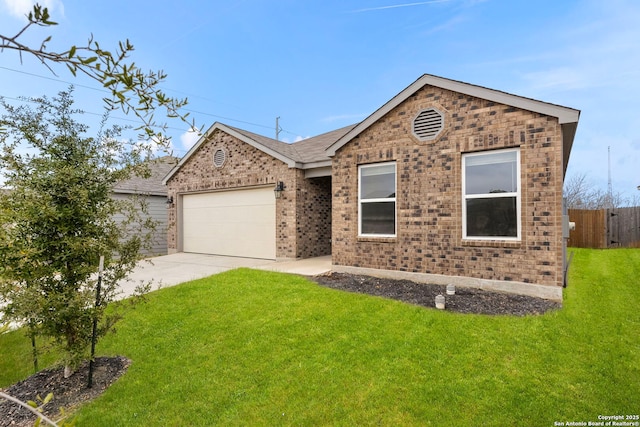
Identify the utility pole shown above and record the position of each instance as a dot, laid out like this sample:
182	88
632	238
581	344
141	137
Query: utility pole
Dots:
278	128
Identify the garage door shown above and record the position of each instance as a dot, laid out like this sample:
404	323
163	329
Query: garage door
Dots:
234	223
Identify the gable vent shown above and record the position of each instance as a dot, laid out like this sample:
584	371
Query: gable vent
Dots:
219	157
428	124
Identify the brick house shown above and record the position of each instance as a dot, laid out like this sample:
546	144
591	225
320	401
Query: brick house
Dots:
447	182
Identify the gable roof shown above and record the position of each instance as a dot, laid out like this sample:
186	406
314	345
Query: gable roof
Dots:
153	185
316	152
306	154
567	117
270	146
278	149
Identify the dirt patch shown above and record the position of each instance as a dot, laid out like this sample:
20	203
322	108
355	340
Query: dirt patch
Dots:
466	300
68	393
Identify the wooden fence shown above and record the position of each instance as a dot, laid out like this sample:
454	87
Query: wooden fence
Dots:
605	228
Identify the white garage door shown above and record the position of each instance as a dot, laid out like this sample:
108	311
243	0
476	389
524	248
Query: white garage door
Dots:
235	223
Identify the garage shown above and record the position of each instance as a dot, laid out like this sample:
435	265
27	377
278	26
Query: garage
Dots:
233	223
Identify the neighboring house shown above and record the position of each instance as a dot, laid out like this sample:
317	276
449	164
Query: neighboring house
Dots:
447	182
153	193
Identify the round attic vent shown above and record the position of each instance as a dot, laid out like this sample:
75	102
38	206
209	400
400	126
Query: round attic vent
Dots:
428	124
219	157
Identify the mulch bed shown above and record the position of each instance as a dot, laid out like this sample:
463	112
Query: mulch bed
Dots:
466	300
68	393
71	392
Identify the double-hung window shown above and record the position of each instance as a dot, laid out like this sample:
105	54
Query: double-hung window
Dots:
491	195
377	200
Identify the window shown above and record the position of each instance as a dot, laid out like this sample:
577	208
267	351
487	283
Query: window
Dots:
377	200
491	192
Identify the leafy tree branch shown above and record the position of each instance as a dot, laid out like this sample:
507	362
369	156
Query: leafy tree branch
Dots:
32	407
132	90
59	218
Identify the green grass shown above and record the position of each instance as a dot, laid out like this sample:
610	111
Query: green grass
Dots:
258	348
16	362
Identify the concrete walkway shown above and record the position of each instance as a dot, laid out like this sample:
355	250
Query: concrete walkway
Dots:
170	270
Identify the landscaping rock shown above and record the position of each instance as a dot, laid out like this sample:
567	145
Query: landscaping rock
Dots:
68	393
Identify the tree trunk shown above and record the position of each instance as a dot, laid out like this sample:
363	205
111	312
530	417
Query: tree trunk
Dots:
34	348
67	371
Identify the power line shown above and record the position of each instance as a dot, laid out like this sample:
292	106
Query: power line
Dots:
173	148
106	91
124	119
53	79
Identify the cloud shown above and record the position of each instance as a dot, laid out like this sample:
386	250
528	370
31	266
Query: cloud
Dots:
590	65
151	146
558	78
453	22
168	145
20	8
600	52
189	138
296	139
512	61
394	6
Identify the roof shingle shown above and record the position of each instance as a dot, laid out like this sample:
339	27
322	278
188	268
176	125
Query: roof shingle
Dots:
308	150
152	185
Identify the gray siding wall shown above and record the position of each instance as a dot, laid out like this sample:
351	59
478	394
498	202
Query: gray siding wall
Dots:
157	210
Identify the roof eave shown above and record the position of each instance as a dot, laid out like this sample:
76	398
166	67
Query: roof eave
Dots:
220	126
192	150
568	135
255	144
314	165
564	114
139	192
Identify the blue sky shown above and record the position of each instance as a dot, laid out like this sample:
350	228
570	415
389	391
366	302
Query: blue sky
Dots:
321	65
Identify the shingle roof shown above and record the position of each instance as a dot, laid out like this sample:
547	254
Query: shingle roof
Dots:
316	152
283	148
153	185
310	151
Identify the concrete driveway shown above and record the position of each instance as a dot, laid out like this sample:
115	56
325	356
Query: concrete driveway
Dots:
170	270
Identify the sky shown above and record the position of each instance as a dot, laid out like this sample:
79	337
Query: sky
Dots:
322	65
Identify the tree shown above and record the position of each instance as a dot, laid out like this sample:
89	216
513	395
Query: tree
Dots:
580	193
132	90
57	219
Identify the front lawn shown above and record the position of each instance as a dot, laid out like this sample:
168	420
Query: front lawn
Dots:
258	348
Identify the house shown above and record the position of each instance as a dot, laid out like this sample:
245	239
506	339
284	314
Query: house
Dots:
153	193
447	182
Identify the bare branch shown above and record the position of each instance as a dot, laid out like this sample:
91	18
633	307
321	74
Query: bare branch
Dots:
29	408
580	193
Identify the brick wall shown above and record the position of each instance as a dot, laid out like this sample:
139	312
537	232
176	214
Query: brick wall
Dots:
429	194
314	214
299	222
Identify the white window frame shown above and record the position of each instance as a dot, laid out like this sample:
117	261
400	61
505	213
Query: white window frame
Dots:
516	194
384	200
